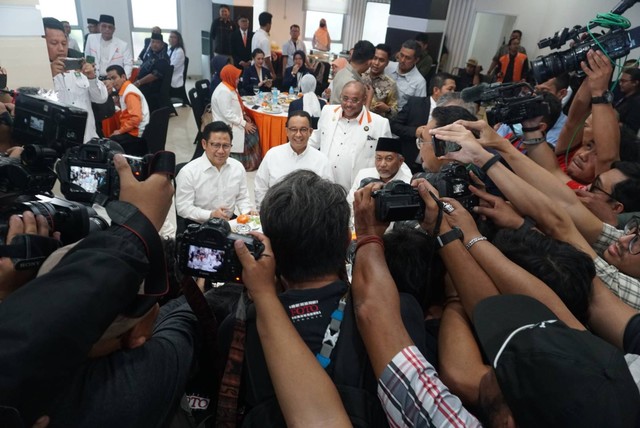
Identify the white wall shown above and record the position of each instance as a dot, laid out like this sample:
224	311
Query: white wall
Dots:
285	13
487	34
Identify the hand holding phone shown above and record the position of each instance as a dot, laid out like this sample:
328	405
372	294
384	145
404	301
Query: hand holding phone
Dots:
71	64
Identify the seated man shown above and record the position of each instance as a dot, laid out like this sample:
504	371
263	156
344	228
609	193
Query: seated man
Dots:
213	185
348	134
133	116
281	160
389	166
154	68
469	75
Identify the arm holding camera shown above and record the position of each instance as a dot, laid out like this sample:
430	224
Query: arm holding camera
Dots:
286	354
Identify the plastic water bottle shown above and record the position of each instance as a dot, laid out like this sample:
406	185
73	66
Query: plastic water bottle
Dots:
291	91
274	97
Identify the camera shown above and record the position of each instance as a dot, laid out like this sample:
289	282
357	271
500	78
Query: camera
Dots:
88	170
453	181
206	251
41	121
73	221
441	147
397	201
31	174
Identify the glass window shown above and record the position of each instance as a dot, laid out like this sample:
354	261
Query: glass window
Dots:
63	10
334	25
376	17
138	37
152	13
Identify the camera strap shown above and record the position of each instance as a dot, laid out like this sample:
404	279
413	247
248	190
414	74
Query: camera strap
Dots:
163	162
29	251
332	333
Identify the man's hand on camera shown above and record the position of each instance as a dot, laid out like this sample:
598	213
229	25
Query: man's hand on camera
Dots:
430	219
10	278
259	276
471	152
152	196
364	212
462	219
57	66
598	70
89	70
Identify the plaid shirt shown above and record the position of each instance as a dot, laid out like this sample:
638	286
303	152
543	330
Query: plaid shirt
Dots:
413	395
624	286
384	90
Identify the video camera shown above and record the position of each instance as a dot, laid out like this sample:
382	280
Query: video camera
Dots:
206	251
41	121
618	42
509	102
88	170
31	174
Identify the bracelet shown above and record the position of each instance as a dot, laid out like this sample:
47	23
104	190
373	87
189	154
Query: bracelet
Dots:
368	239
475	241
484	168
532	129
534	141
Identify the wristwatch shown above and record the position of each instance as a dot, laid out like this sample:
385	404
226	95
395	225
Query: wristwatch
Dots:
450	236
606	98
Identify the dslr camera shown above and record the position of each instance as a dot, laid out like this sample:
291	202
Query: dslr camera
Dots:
88	170
453	181
397	201
31	174
206	251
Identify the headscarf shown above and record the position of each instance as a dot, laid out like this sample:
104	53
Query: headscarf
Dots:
310	102
340	63
229	76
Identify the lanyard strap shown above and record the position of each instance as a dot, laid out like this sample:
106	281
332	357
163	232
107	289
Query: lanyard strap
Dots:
332	333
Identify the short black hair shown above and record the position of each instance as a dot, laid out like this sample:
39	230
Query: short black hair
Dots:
363	51
519	33
448	114
264	18
306	217
413	45
118	69
294	26
562	81
566	270
422	37
52	24
241	17
384	47
300	113
216	126
633	72
224	6
256	51
438	80
627	191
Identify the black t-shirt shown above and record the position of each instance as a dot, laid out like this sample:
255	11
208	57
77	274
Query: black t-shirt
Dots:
631	341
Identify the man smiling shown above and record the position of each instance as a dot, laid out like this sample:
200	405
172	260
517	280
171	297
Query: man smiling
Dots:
281	160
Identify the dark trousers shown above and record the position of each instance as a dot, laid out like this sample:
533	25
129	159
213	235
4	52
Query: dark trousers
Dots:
131	145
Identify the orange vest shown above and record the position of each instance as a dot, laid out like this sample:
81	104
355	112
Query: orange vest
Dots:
518	62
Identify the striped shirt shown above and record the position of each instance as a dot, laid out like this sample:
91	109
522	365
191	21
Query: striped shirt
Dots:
412	395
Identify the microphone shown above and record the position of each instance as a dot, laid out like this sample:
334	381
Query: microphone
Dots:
474	93
623	6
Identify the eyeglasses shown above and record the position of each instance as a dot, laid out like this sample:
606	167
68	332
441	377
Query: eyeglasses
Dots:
218	146
595	187
296	130
631	228
350	100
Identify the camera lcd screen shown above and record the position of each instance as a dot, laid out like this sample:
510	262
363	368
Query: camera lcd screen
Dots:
205	259
87	177
36	123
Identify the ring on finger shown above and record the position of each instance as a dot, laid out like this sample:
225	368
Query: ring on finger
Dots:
447	207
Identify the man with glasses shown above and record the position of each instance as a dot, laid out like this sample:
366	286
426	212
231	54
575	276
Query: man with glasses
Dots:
133	115
296	154
348	134
213	185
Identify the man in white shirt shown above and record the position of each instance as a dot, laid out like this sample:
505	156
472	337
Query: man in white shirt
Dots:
409	80
78	88
292	45
389	165
296	154
213	185
108	50
348	134
262	39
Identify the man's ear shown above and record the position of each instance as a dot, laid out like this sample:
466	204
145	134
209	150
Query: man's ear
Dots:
141	332
618	207
543	127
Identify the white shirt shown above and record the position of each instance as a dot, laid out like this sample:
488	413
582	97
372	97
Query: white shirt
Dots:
74	88
201	188
290	47
73	44
262	40
106	53
410	84
177	60
281	160
432	107
403	174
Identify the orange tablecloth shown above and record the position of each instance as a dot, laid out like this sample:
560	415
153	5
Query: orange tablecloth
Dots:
271	128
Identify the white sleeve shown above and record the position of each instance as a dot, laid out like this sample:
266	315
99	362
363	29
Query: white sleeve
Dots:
422	89
97	91
243	202
186	196
225	104
127	59
261	181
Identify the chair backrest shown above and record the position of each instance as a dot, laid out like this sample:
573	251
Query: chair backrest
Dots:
196	106
203	88
165	89
181	223
184	73
155	134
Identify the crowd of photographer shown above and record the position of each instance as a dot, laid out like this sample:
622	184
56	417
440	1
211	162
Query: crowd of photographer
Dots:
477	273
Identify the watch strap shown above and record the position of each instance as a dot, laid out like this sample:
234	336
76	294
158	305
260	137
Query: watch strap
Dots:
448	237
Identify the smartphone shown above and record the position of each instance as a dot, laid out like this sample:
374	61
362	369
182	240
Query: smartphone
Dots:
72	64
441	147
90	59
